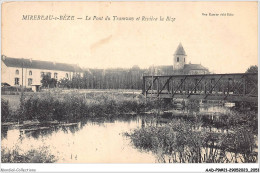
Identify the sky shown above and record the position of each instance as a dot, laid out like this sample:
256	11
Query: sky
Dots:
224	44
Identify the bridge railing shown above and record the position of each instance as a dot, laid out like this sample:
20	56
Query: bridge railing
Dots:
232	86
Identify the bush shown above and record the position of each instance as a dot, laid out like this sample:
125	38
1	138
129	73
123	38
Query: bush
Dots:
5	110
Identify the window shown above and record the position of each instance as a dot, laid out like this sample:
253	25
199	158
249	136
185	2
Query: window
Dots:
42	74
29	81
49	74
184	59
177	59
55	75
67	75
30	73
16	81
17	72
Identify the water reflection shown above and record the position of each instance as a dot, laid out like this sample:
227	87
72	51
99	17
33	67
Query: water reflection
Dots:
90	141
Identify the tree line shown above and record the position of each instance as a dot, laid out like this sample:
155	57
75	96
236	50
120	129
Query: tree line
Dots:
106	79
99	79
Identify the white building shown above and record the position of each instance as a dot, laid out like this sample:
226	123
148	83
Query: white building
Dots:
27	72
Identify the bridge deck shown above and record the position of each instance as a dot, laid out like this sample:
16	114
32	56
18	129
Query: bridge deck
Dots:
230	87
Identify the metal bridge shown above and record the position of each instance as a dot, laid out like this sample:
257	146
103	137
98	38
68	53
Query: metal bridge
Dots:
230	87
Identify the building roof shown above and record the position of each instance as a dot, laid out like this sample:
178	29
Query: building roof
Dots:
36	64
180	50
188	67
160	70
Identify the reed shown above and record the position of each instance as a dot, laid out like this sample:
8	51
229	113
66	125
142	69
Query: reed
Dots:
179	142
74	106
41	155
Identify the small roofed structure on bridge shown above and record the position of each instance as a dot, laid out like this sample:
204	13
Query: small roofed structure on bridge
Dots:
180	66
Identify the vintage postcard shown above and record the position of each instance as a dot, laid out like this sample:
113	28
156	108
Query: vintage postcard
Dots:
130	82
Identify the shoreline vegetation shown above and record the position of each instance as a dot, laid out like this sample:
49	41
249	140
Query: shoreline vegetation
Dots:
178	140
40	155
74	106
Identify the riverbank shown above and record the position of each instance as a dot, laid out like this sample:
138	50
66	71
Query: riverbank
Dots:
75	105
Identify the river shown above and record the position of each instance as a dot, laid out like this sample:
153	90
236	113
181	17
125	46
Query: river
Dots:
91	141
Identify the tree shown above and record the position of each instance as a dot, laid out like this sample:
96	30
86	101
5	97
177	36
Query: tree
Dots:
65	83
252	80
47	81
252	69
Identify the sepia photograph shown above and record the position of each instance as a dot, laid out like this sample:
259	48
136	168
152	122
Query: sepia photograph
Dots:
129	82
